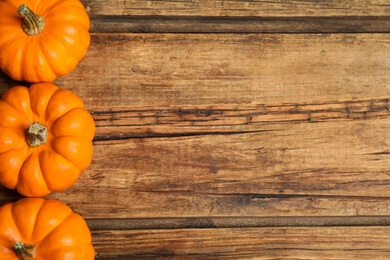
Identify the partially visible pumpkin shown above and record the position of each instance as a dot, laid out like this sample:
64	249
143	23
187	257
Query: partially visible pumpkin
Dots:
34	228
45	40
45	139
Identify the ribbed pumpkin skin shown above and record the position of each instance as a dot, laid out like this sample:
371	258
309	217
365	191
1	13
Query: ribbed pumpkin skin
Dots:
52	227
52	53
55	165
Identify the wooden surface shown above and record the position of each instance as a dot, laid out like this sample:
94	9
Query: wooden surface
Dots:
235	129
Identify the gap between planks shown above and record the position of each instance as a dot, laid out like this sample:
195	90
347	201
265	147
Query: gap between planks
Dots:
234	8
235	222
153	24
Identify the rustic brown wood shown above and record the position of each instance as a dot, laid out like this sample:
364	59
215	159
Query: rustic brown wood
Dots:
235	129
274	134
128	71
246	8
245	243
238	16
185	120
250	174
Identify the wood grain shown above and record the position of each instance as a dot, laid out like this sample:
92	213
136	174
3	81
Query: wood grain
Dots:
246	243
269	172
128	71
221	8
181	121
235	129
185	130
250	17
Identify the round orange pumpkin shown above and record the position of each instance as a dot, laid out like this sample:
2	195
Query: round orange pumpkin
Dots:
42	39
34	228
45	139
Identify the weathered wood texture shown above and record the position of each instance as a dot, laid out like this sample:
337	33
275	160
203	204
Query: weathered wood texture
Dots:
247	243
235	145
241	8
128	71
269	173
184	129
239	16
218	16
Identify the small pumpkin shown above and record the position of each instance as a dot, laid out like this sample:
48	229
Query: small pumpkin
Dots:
34	228
41	40
45	139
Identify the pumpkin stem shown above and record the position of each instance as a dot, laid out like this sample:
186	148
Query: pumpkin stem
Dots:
32	24
36	135
24	251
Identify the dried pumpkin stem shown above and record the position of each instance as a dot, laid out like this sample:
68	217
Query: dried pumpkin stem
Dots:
32	24
36	135
24	251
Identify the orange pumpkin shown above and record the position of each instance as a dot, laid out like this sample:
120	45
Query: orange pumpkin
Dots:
45	139
42	39
34	228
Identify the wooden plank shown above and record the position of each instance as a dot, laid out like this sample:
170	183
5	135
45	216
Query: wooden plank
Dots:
126	71
266	169
235	145
238	16
258	243
223	8
234	125
302	169
182	121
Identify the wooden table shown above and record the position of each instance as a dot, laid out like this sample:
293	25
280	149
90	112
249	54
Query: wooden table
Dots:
235	129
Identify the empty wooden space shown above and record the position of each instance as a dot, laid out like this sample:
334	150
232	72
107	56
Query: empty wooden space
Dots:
235	129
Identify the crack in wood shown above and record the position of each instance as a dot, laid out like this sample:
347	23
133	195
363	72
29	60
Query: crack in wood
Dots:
198	121
107	137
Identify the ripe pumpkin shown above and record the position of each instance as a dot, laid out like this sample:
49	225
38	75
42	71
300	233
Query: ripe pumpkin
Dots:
42	39
45	139
34	228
